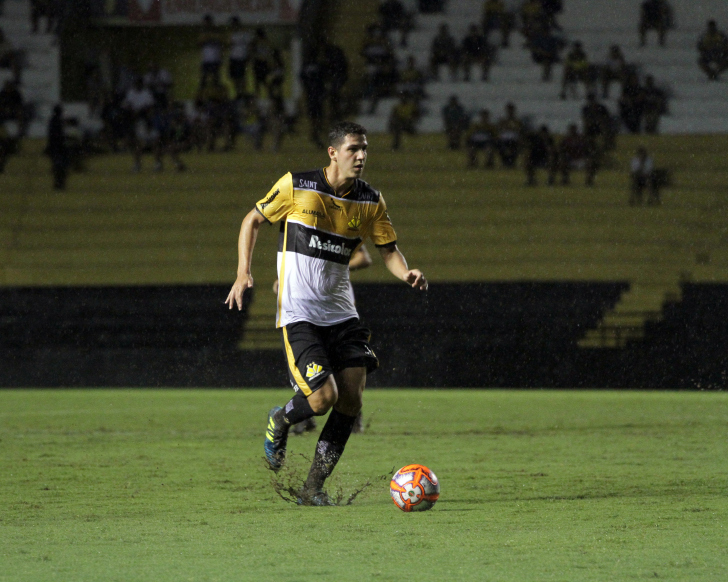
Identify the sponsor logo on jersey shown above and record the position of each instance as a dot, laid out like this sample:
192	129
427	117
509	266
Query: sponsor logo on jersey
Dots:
270	199
309	184
315	213
329	246
354	223
334	206
313	370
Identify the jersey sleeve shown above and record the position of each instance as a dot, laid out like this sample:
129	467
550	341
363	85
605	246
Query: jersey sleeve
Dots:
278	203
382	232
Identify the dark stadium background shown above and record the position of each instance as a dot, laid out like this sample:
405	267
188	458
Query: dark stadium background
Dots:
477	327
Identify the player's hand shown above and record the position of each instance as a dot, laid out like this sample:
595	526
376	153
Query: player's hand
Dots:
416	279
235	297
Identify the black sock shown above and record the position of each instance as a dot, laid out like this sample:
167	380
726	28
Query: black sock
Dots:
329	448
297	410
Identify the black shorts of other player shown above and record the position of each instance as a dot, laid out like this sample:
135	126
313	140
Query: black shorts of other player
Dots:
314	352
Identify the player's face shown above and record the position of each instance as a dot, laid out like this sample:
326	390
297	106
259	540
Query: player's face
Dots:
351	156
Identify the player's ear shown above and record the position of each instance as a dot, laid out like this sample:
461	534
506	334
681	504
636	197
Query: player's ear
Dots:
332	153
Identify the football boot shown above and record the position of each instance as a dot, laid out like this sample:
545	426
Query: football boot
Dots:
276	438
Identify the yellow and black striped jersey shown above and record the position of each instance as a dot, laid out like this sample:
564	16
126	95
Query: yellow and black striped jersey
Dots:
319	233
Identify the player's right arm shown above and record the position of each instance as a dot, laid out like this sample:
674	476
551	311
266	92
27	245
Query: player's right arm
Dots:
274	207
246	244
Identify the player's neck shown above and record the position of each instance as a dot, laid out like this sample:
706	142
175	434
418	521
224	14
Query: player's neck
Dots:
339	184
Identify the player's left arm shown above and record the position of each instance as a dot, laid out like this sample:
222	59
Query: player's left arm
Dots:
397	265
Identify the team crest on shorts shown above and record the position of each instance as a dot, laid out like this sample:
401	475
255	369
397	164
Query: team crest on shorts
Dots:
313	370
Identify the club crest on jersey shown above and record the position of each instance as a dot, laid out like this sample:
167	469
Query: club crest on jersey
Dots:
354	223
313	370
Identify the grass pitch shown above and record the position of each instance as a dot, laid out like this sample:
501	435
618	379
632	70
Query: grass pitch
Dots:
165	485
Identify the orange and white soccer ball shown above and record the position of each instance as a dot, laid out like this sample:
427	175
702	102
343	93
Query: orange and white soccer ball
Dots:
414	488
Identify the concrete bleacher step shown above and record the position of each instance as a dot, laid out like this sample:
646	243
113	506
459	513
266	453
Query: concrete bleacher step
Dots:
642	303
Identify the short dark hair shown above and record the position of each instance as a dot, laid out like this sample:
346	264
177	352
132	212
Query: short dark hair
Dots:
338	132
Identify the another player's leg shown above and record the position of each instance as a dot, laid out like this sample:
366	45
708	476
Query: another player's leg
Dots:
335	434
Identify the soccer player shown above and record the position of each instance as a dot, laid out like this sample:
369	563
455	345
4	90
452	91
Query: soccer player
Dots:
326	214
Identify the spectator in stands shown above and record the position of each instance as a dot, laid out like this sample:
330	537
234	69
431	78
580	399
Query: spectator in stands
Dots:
380	65
394	16
482	137
614	69
13	118
138	104
540	153
655	15
313	79
597	123
403	119
456	120
168	136
211	45
159	82
713	50
8	146
550	9
631	103
497	17
412	80
643	175
443	51
48	9
13	109
277	122
263	53
533	18
10	58
116	120
475	50
220	111
654	104
510	135
577	69
577	151
546	50
56	148
336	71
253	123
277	75
239	57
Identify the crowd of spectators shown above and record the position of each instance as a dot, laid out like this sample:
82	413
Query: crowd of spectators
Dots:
140	116
510	138
641	101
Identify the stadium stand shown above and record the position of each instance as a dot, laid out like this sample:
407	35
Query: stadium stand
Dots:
558	273
696	106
